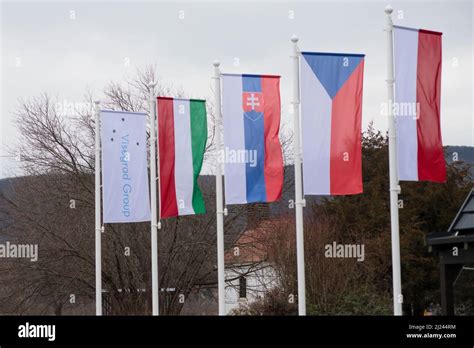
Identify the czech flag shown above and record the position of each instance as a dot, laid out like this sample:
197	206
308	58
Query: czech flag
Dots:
331	113
417	55
253	161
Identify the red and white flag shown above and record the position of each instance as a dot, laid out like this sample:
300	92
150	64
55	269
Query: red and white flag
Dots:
417	55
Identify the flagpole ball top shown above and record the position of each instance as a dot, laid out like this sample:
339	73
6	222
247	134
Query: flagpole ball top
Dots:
216	63
388	10
294	38
152	84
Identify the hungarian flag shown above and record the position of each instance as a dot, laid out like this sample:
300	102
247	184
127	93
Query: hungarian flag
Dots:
331	113
252	154
417	55
182	136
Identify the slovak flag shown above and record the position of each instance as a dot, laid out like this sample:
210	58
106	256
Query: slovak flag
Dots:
253	161
417	55
331	113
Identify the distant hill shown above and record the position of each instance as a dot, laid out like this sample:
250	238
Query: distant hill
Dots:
207	183
463	153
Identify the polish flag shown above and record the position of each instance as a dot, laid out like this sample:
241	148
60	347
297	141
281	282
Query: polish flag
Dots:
417	55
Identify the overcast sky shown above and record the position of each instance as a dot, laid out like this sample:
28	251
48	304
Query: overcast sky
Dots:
65	47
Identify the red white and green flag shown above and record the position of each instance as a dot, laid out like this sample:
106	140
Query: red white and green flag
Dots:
182	136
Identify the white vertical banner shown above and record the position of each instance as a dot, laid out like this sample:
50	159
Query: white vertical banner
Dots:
124	167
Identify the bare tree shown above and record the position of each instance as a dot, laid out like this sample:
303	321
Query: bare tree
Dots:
53	206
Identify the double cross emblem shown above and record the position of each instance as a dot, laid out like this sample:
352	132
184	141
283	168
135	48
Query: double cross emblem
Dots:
253	101
253	105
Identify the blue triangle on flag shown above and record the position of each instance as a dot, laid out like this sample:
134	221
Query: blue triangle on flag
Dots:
332	69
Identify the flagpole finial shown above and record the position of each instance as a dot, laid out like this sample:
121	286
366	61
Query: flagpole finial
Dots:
294	39
216	63
97	102
152	84
388	10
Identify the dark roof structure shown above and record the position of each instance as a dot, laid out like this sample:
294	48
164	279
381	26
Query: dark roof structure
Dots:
461	230
455	249
464	220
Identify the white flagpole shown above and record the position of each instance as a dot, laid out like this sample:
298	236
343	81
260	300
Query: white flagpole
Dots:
299	201
98	227
394	185
219	195
154	223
